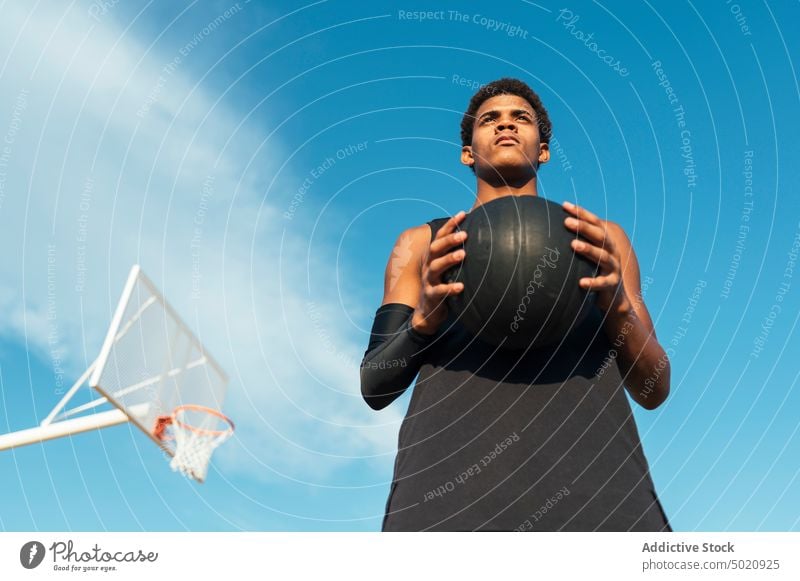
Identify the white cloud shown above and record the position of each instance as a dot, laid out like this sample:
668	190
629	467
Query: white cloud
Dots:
84	164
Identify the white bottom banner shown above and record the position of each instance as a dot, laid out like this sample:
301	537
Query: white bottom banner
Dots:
387	556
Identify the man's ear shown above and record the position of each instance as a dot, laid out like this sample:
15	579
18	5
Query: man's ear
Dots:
544	153
466	156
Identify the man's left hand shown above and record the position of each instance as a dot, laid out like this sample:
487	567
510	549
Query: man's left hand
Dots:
599	247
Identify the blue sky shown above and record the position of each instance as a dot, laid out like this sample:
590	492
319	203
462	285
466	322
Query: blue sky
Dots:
324	131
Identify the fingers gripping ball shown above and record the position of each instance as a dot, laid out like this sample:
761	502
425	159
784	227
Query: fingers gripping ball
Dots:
520	274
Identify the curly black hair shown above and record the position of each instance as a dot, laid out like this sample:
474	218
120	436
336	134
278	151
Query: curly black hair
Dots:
506	86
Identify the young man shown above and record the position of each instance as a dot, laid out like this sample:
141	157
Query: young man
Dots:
495	440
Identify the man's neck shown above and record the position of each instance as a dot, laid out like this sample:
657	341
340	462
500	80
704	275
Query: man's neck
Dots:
488	191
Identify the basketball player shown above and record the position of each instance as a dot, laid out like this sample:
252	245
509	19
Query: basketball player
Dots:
495	440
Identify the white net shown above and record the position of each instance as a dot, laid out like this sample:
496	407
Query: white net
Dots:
197	431
152	363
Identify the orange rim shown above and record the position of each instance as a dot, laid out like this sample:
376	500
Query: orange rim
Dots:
204	409
160	428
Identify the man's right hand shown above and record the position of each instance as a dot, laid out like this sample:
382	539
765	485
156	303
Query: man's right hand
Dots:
431	310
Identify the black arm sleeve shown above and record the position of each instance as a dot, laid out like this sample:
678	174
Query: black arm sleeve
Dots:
394	356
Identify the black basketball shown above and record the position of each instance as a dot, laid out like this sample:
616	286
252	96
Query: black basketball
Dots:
520	274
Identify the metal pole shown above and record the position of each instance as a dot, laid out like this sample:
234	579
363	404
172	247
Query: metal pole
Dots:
69	427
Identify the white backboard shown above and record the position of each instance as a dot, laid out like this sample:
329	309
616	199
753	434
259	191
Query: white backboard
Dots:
151	362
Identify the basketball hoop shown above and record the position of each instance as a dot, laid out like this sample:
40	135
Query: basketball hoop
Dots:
197	431
151	363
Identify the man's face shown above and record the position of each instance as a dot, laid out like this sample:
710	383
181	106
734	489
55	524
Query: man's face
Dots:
505	140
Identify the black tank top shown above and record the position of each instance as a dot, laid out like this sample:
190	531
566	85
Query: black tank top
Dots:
499	440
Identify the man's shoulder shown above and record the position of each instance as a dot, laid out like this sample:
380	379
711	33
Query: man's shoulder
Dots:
413	242
417	233
618	234
422	234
